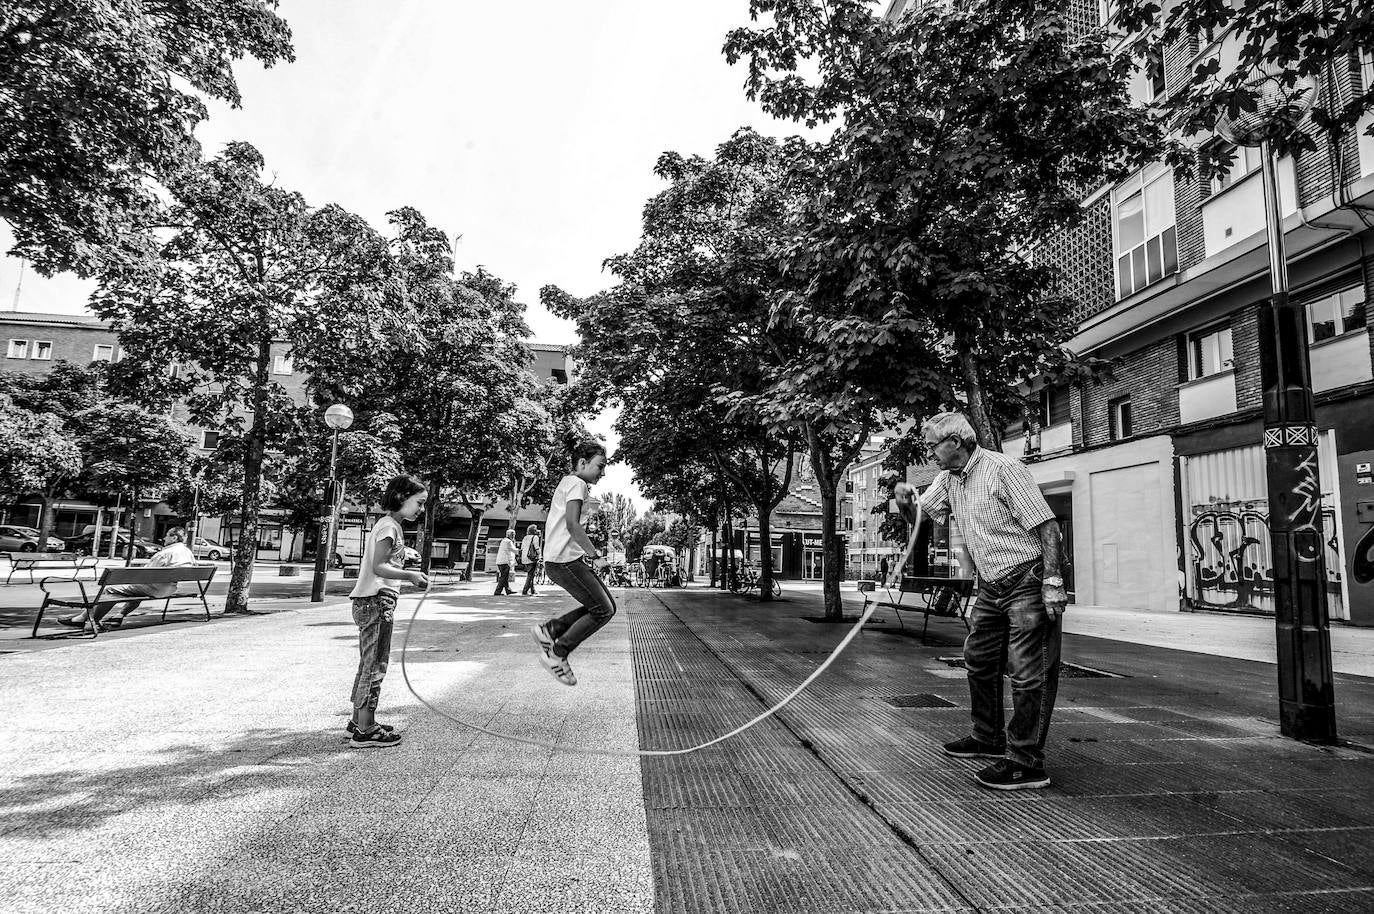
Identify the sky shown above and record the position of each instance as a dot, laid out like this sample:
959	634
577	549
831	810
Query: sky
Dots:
529	130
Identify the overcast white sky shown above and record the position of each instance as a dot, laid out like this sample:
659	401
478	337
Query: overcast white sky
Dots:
529	129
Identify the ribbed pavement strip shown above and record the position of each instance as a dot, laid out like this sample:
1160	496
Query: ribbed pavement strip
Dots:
1163	800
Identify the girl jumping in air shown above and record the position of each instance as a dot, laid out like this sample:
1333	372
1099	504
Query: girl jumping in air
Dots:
374	608
564	553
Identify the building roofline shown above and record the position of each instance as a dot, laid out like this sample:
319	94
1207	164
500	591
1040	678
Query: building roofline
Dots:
53	319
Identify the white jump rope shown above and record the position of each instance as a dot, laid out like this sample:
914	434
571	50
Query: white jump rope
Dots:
632	753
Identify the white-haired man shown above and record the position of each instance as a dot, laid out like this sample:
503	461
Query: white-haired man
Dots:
1014	542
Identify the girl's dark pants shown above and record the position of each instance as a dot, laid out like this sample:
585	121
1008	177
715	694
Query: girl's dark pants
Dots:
595	606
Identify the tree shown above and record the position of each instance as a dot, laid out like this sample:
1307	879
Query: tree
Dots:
641	531
969	134
94	112
251	266
38	455
689	325
1290	38
367	461
458	380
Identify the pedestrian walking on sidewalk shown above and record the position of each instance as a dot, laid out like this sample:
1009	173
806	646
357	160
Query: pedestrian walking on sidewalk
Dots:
882	571
505	557
529	554
374	607
565	562
1015	625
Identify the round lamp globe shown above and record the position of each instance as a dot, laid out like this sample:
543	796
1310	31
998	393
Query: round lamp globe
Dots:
338	416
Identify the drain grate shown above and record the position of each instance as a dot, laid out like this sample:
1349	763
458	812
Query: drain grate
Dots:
1066	670
918	701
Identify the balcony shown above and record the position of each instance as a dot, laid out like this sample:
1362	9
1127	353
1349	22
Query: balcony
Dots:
1049	440
1236	213
1206	398
1340	361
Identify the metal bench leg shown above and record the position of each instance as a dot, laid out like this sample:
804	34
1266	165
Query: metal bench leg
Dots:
39	618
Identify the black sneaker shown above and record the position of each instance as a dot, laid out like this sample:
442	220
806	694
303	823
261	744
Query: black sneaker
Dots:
379	738
353	727
968	747
1009	775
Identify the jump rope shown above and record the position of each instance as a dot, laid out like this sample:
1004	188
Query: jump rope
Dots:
641	753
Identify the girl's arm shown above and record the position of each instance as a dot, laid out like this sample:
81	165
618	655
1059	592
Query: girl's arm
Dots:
573	519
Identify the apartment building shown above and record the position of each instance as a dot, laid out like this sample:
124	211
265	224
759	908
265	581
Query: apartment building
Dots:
34	342
1159	473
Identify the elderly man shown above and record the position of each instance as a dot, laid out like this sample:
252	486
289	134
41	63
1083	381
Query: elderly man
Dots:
1014	542
505	557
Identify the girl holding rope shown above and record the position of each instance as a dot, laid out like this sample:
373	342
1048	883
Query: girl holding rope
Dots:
567	547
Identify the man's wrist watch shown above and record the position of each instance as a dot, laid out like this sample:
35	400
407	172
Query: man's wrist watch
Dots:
1053	580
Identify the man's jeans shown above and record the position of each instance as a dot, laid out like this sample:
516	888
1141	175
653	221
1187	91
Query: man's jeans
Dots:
1010	631
596	605
502	580
530	569
374	617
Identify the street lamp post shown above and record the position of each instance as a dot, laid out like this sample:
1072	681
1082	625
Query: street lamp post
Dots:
338	417
1307	708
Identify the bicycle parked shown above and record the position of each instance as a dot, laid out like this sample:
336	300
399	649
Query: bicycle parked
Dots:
746	579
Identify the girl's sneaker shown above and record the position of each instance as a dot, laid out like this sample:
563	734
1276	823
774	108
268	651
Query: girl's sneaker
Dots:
379	738
559	667
541	638
353	728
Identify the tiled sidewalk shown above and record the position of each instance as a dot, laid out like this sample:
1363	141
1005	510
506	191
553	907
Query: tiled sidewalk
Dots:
201	767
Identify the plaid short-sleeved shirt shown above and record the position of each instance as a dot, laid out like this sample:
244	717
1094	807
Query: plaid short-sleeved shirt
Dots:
997	506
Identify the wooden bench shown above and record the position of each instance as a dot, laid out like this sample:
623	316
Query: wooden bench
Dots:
200	575
28	561
948	597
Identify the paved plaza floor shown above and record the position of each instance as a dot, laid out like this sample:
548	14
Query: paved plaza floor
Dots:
202	767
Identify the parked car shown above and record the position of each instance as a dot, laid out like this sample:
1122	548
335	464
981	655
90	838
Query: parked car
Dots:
25	539
82	544
209	549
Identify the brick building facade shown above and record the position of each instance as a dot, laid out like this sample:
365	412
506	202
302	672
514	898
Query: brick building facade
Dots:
1158	473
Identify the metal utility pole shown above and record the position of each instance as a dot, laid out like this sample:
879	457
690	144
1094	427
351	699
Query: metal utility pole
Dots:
1307	704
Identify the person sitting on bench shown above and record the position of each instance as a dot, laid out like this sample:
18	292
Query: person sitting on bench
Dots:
174	553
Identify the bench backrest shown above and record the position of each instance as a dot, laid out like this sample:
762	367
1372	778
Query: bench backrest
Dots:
43	556
157	575
915	584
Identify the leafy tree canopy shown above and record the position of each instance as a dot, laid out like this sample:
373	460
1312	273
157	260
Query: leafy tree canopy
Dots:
95	112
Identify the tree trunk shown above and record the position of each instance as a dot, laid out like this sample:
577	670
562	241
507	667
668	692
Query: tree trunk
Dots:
250	503
427	528
47	516
765	551
714	562
133	527
988	435
830	548
476	514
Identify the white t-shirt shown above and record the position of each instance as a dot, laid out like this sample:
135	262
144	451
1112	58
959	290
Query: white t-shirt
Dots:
368	583
528	547
561	547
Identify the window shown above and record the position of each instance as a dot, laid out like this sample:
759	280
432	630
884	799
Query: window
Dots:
209	440
1054	406
19	349
42	350
849	487
559	375
282	365
1119	418
849	523
1146	242
1244	160
1209	352
1154	73
103	353
1340	312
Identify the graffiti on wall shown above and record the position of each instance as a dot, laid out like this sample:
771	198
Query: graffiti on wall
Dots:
1231	562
